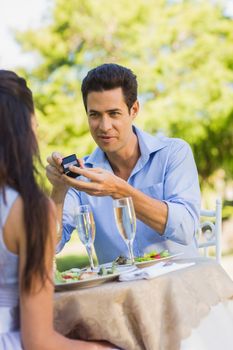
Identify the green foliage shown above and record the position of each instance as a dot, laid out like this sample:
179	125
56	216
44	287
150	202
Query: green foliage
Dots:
227	211
69	261
181	51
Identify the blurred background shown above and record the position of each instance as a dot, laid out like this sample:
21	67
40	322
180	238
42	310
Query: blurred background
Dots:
180	50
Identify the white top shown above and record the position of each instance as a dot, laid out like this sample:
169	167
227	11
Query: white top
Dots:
9	286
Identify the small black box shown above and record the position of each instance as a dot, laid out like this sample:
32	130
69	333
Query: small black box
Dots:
67	162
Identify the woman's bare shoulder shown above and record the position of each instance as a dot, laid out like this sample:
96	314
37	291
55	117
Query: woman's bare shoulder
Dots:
14	226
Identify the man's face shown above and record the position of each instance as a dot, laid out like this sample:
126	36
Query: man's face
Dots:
109	119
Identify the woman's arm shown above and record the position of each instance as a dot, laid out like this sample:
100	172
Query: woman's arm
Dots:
36	306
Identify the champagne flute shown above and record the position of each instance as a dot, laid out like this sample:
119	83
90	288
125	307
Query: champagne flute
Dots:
126	221
85	225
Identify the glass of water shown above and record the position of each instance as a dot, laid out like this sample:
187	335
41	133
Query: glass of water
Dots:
126	221
85	225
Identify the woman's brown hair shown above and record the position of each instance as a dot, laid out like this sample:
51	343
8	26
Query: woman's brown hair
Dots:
18	153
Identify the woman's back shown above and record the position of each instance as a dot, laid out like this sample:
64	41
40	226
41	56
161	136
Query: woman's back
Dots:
9	287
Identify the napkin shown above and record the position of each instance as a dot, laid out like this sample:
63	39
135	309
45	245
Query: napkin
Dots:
156	270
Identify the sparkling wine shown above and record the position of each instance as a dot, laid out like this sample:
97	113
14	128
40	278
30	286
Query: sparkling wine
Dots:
126	222
86	227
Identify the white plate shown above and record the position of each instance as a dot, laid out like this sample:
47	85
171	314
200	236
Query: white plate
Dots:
94	281
120	268
126	267
87	283
147	263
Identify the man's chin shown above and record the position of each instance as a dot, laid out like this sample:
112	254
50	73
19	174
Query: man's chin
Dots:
108	148
105	143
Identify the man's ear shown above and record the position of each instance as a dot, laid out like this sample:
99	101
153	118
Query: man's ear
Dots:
134	109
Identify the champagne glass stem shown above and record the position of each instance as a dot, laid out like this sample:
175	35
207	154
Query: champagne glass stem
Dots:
89	252
130	247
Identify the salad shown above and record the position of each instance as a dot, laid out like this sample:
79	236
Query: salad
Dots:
153	255
122	260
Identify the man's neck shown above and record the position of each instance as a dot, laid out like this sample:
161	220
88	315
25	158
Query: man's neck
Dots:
122	163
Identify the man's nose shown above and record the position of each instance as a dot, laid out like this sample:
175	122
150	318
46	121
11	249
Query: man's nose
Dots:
105	123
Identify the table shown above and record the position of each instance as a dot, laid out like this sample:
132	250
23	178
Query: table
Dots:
157	314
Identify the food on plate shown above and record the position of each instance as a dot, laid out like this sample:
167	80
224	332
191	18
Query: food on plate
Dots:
74	275
153	255
87	275
103	271
122	260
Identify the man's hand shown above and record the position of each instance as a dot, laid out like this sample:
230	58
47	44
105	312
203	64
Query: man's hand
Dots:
101	182
54	172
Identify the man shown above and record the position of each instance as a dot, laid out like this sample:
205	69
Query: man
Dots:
158	173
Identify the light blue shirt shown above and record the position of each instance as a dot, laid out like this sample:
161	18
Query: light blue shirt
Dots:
165	171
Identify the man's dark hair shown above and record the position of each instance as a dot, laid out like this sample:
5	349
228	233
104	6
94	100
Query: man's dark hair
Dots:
109	76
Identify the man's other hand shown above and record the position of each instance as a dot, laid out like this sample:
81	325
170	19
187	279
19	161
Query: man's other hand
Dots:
99	182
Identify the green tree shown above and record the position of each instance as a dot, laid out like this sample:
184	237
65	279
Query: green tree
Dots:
181	51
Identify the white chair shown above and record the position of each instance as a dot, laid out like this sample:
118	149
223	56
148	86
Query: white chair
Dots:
210	232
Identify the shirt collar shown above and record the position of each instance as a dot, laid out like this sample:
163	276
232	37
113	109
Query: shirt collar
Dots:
98	159
147	143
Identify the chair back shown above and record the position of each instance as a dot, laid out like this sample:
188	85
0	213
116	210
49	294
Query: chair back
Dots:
210	230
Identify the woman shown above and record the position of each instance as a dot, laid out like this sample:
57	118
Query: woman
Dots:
27	231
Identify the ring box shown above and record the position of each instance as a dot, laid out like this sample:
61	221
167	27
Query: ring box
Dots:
67	162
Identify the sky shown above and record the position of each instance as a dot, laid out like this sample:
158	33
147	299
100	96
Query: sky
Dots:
19	15
24	14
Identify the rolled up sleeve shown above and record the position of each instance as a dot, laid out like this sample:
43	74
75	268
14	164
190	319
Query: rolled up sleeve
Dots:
181	194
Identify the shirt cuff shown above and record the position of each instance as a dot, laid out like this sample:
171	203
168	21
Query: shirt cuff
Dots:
180	225
60	246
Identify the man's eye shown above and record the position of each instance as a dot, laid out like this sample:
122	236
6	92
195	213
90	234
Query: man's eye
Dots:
114	114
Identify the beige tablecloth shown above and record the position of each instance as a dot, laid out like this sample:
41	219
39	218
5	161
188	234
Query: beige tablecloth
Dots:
145	314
